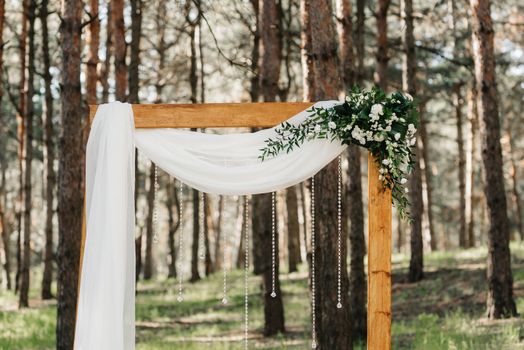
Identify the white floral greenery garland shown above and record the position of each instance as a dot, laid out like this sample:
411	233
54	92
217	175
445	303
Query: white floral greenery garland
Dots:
385	125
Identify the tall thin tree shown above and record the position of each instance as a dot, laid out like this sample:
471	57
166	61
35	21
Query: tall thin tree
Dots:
5	234
500	299
357	276
269	73
93	43
118	32
332	323
29	129
416	262
49	135
70	179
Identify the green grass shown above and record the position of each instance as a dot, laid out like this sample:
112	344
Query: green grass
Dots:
444	311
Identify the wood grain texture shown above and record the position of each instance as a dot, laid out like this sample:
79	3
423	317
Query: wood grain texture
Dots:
212	115
379	261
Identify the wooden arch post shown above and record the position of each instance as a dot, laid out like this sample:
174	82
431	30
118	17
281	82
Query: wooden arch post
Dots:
269	114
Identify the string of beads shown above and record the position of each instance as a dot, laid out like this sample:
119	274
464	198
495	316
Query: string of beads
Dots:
180	297
273	245
155	205
313	284
246	273
224	266
339	233
202	227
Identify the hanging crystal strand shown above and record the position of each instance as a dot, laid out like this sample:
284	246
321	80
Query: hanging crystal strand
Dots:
313	285
339	233
273	246
246	273
224	266
202	225
180	241
155	207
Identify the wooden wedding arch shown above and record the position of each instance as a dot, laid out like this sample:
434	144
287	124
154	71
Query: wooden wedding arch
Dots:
269	114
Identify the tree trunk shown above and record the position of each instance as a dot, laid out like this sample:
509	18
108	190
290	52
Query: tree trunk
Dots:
345	38
271	56
515	185
457	102
172	200
5	235
134	57
93	42
70	179
416	264
208	231
21	139
293	229
254	88
332	323
118	32
240	226
359	41
308	78
195	276
471	162
273	307
500	301
28	199
427	175
357	277
382	58
148	260
105	69
219	254
49	256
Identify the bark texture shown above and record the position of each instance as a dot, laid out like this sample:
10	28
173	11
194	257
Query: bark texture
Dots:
308	78
70	179
23	300
500	300
293	230
134	56
269	69
118	32
148	260
416	263
332	323
49	132
382	58
92	42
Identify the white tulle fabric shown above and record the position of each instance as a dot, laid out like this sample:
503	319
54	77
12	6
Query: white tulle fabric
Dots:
219	164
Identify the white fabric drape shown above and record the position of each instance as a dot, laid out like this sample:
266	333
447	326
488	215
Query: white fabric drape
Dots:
218	164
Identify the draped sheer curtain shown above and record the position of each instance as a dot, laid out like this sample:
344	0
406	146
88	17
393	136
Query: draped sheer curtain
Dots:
218	164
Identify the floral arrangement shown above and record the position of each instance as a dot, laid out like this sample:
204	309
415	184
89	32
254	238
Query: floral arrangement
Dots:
385	125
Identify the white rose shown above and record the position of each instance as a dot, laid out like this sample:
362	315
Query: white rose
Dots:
379	137
397	136
332	125
362	141
317	128
412	141
406	190
388	128
411	128
377	109
385	161
409	97
403	180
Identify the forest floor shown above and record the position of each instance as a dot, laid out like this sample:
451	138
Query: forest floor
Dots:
444	311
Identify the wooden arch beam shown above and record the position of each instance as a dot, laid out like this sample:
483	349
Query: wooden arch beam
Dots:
269	114
213	115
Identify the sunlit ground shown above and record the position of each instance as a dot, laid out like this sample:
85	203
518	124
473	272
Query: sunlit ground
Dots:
445	311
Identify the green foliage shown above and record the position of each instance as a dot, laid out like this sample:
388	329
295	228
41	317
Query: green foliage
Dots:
384	125
444	311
